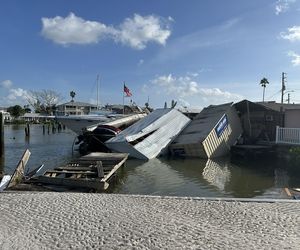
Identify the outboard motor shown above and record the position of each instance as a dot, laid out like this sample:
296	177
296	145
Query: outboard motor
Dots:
93	141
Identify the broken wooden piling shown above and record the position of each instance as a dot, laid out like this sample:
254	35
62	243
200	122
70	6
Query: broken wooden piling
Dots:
19	171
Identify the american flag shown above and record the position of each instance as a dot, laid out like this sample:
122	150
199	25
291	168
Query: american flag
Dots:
127	91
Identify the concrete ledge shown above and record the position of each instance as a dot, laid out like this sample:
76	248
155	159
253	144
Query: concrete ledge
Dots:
227	199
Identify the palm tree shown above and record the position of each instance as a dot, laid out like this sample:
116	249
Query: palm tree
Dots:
72	94
263	83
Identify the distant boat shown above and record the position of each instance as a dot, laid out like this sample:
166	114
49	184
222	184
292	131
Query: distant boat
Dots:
81	123
149	137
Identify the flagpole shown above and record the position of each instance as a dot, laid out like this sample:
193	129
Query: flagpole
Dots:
123	97
97	91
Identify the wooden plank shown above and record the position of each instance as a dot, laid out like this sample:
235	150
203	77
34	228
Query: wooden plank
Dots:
19	171
92	168
49	172
86	163
115	168
75	183
70	172
94	160
287	191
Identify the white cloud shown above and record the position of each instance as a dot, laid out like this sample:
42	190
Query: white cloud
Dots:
73	29
185	87
17	94
296	58
282	6
6	84
292	35
138	31
135	32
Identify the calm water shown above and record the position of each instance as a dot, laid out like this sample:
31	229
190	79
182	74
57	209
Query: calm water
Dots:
180	177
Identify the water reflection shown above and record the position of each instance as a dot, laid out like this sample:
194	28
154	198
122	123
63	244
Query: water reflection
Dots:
196	177
216	174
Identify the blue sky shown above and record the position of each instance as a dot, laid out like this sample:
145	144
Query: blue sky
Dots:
195	52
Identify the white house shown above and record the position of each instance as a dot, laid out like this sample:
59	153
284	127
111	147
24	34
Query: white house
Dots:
75	108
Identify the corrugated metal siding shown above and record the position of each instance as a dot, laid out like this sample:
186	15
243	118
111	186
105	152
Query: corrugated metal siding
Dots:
156	142
218	146
151	135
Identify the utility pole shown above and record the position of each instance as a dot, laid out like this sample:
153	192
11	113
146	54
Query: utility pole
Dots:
288	99
283	79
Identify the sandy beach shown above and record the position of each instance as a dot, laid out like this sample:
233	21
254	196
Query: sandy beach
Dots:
47	220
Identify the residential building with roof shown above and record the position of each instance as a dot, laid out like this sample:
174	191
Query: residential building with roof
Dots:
75	108
291	112
6	115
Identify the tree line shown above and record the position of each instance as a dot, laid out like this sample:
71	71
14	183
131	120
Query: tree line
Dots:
44	101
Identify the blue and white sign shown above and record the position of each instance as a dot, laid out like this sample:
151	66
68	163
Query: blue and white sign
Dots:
221	126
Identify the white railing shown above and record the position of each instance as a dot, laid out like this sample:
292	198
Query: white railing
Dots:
288	135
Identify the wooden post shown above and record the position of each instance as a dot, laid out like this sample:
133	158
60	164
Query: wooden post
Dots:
59	127
27	130
100	169
1	134
53	128
43	129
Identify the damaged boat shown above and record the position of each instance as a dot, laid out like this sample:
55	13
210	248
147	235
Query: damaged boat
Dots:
93	137
150	136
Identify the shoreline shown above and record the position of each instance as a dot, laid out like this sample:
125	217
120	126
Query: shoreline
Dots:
47	220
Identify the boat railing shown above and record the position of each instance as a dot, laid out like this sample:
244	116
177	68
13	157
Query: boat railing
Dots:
288	135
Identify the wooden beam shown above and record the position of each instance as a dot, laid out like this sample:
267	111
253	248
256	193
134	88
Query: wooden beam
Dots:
287	191
19	171
115	169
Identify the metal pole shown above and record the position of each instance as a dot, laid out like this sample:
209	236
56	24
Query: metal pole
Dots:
123	98
1	134
282	86
97	92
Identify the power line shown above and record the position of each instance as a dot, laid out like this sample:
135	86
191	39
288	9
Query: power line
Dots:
275	94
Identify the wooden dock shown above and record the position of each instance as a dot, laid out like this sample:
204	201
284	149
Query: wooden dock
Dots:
92	172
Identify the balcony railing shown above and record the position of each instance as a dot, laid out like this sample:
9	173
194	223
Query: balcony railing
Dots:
288	135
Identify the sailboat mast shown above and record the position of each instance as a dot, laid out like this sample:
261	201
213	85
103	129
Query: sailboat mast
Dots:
97	91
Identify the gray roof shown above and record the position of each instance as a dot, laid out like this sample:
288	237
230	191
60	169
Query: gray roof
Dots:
279	106
83	104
